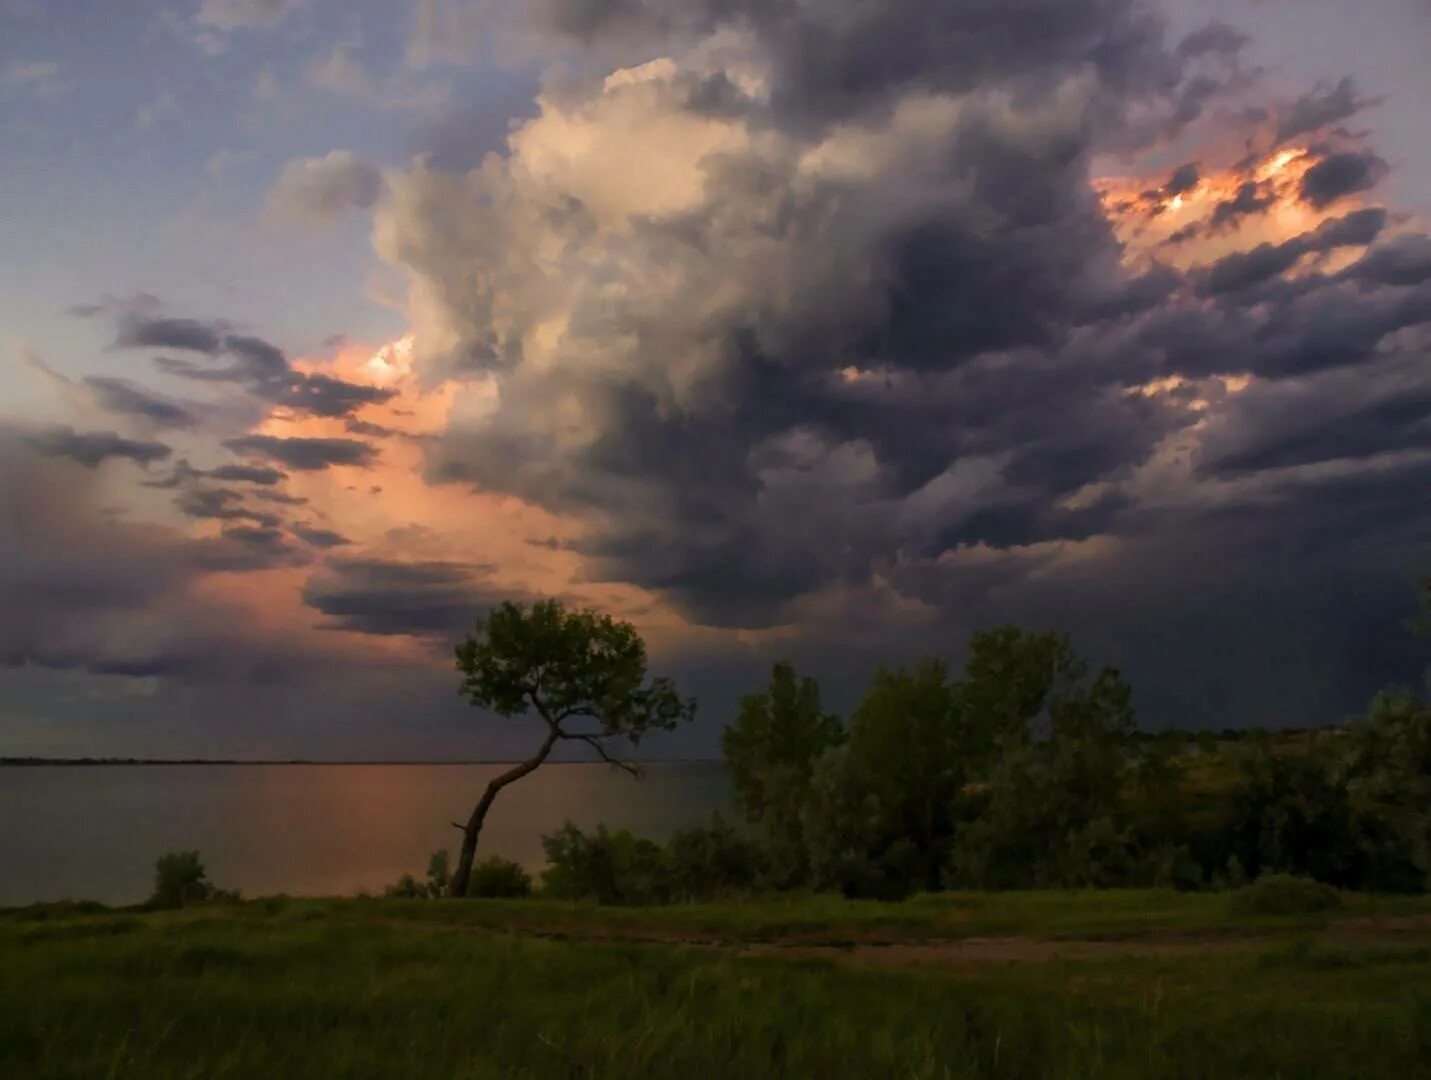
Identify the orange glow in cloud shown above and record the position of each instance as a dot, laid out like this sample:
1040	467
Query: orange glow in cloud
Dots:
390	511
1149	223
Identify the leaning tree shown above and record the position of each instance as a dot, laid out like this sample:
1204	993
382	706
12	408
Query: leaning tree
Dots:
584	676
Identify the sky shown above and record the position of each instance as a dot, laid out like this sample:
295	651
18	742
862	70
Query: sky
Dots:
831	332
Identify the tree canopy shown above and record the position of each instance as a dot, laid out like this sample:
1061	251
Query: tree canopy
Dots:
584	675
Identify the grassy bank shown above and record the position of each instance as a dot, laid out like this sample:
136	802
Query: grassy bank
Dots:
481	989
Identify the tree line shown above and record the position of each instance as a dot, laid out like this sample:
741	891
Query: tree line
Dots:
1022	769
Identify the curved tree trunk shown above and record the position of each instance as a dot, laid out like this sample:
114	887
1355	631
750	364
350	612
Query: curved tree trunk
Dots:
458	885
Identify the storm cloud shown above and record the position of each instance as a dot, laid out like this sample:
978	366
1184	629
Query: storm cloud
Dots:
870	324
861	311
1319	108
126	399
257	365
1340	175
91	448
85	589
381	596
304	454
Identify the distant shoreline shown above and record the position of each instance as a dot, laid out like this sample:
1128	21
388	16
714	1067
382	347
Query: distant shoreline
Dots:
23	762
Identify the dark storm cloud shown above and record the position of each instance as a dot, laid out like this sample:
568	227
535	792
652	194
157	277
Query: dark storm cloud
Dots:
222	504
191	335
1252	198
1321	107
1339	175
1335	417
368	428
1333	326
1184	178
426	599
935	346
323	395
126	399
257	365
252	474
280	497
1245	268
1216	37
319	538
83	589
303	454
265	539
1403	260
90	448
833	60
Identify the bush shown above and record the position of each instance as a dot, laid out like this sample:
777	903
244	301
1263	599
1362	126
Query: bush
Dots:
406	888
1284	894
437	874
609	867
711	861
179	879
891	874
497	878
435	887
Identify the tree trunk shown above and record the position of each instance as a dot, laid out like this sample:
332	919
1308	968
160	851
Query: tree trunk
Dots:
458	885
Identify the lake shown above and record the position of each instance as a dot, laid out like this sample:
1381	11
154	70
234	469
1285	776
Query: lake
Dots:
93	832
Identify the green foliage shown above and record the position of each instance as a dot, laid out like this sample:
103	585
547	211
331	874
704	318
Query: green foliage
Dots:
500	879
1052	810
607	867
180	879
1013	679
910	751
783	726
437	873
711	861
843	827
1284	894
1292	814
582	672
408	887
567	665
770	752
701	863
1389	787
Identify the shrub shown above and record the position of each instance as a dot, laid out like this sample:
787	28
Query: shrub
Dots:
608	867
437	874
891	874
710	861
497	878
409	888
179	879
1284	894
406	888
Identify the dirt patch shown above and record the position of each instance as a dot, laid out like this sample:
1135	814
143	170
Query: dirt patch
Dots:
1376	925
1007	950
874	947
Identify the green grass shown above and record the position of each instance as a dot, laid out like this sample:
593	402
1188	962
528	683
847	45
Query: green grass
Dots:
464	989
1045	913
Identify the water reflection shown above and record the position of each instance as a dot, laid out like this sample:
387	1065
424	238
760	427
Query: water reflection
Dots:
94	832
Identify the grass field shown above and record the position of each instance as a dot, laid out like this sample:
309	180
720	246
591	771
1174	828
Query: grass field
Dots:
1093	984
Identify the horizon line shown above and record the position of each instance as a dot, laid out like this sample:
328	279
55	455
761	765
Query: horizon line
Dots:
37	760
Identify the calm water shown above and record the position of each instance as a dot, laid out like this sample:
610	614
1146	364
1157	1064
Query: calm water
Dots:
94	832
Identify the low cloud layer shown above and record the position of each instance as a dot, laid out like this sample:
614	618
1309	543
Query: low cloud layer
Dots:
382	596
302	453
